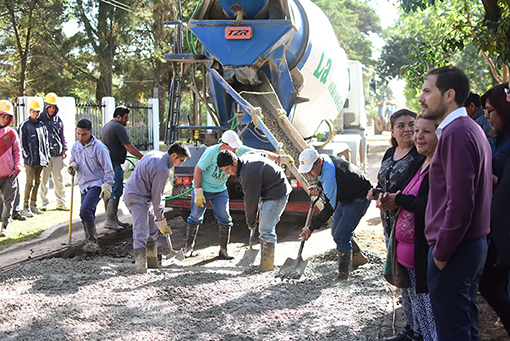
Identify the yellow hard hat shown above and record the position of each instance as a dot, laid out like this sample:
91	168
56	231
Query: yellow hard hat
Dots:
34	105
6	107
51	98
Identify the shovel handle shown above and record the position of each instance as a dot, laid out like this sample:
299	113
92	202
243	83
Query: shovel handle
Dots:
169	242
71	209
301	249
252	233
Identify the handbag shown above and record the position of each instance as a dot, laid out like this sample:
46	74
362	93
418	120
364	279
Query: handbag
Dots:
394	272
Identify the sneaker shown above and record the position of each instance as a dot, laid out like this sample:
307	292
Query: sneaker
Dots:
26	212
19	217
44	207
3	231
62	207
35	209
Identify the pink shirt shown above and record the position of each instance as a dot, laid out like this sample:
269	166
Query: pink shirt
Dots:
404	227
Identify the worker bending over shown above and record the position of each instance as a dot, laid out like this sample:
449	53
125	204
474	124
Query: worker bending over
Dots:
345	188
262	180
142	196
90	161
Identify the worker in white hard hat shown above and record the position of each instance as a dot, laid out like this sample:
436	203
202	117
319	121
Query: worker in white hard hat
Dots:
210	186
58	149
36	154
10	165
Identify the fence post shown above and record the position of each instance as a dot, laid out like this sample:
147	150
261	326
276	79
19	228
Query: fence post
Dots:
107	108
154	104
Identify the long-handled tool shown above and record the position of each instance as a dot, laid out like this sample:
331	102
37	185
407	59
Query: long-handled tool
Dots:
179	254
294	268
250	253
70	252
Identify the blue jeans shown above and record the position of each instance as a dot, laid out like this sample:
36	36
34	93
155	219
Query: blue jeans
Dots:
345	220
118	187
219	202
453	290
89	201
270	213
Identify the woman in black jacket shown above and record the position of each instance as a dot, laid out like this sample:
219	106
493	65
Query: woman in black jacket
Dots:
412	247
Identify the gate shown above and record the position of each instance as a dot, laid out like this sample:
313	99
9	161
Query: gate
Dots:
140	125
92	111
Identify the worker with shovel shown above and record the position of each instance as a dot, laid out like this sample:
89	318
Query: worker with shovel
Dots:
142	196
345	188
90	161
262	180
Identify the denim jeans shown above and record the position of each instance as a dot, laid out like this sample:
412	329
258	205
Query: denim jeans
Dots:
270	213
89	200
118	187
219	202
345	220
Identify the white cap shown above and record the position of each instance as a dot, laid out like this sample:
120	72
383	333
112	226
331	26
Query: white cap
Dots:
306	160
231	138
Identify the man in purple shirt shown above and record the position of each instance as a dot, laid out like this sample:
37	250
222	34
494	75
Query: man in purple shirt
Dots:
458	209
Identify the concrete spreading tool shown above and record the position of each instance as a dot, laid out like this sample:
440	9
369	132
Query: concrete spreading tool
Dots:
250	253
70	252
294	268
179	254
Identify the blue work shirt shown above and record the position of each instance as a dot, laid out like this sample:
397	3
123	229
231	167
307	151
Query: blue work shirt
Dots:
94	165
147	182
328	180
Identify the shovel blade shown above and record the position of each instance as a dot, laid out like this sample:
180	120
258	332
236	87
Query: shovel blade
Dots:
248	257
292	268
70	252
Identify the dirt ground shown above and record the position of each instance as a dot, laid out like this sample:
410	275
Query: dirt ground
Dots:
205	298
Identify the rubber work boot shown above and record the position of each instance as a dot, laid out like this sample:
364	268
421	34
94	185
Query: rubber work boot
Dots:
224	234
92	246
119	223
266	256
405	335
191	236
111	215
152	255
357	256
3	230
140	260
344	265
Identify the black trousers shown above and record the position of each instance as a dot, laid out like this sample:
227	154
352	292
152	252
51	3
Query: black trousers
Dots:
493	285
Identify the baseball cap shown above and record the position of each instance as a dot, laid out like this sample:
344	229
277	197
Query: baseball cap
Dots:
306	160
231	138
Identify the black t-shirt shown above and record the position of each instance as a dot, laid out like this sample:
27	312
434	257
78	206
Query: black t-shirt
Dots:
114	136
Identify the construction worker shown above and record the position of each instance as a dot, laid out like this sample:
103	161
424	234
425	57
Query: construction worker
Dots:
114	136
143	193
210	185
58	148
262	180
90	161
10	165
345	188
36	154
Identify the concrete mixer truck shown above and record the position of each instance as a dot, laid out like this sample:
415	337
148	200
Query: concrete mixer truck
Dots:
273	71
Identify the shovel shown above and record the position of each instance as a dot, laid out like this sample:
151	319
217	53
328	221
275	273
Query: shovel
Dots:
179	255
294	268
250	254
70	252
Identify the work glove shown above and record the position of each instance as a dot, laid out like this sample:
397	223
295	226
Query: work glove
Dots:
286	159
106	191
72	168
199	197
163	227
